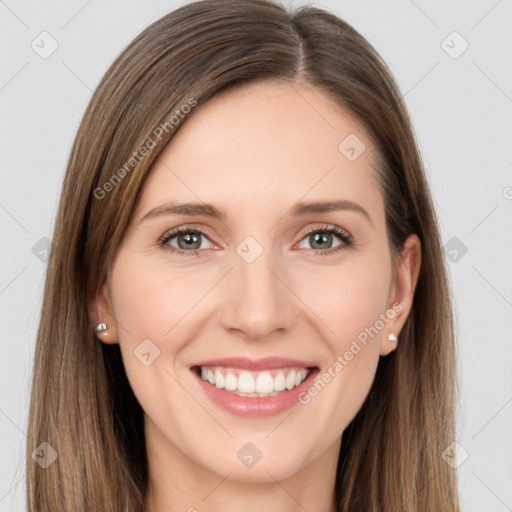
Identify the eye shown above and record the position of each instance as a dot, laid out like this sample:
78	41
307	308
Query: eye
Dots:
322	238
188	241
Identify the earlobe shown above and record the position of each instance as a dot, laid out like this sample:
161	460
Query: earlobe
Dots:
103	334
102	318
406	279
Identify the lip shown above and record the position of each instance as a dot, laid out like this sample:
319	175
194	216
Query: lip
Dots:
267	363
255	407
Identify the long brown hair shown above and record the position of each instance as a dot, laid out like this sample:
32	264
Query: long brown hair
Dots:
82	404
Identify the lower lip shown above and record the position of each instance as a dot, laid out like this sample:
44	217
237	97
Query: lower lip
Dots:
256	407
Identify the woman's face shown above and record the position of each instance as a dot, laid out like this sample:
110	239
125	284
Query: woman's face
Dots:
262	295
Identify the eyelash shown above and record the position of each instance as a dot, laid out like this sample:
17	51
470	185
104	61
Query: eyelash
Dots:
346	239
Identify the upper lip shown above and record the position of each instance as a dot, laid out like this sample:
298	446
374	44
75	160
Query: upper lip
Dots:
267	363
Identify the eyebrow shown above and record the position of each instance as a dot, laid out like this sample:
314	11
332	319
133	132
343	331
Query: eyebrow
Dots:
300	209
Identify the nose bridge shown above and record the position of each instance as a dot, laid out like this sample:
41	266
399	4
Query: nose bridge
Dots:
257	301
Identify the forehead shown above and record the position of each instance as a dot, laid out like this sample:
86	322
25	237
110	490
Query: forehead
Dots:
268	143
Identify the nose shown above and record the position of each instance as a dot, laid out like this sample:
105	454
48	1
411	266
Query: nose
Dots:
258	300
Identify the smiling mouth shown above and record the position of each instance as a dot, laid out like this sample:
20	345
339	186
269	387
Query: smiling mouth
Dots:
253	384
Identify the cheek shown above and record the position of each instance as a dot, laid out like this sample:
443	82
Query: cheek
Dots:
348	300
151	301
352	303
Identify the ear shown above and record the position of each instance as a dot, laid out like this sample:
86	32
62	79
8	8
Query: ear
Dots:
402	291
100	311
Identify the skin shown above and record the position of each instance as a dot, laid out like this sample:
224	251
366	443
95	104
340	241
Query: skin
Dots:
255	152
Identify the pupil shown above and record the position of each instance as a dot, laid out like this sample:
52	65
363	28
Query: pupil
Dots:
320	237
190	239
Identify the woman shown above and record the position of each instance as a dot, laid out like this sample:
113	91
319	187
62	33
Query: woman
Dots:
246	305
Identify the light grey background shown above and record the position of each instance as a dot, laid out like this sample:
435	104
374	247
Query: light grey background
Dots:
462	113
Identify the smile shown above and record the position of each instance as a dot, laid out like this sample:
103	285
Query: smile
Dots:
254	389
254	384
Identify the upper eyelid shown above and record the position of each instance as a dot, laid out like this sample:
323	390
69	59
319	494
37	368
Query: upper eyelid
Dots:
171	233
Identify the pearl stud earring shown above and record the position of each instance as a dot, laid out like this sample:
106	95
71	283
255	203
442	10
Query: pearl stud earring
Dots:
392	337
102	329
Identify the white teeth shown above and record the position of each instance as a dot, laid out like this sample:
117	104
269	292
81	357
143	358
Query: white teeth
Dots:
254	384
264	383
290	380
246	383
231	382
219	379
280	382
